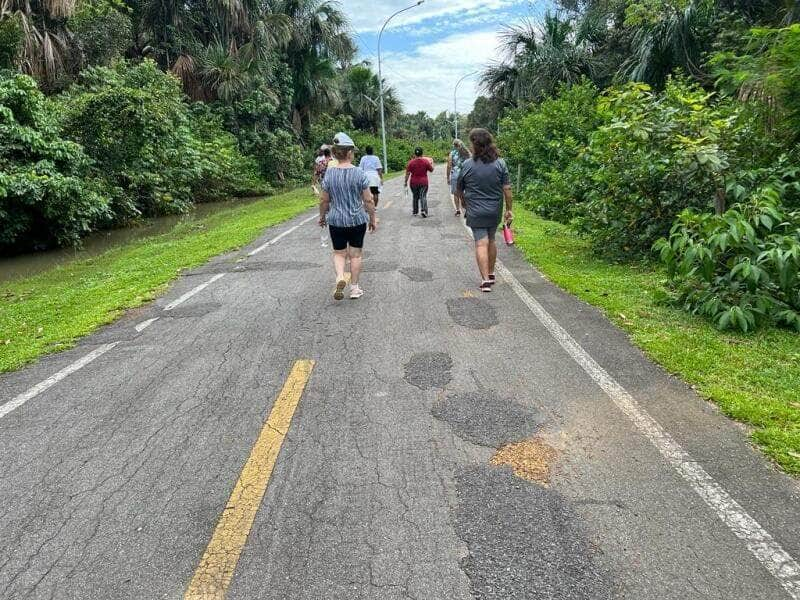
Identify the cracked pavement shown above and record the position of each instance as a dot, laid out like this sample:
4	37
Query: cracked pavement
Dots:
112	480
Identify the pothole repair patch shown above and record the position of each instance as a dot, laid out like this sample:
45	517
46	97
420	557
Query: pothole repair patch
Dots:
415	274
525	541
472	313
429	370
529	459
484	419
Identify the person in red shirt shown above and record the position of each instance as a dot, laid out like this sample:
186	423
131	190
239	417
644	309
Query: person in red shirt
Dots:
417	170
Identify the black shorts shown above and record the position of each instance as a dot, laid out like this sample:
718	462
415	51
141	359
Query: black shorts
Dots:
375	190
341	237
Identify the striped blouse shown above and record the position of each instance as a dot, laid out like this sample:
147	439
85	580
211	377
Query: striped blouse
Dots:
345	186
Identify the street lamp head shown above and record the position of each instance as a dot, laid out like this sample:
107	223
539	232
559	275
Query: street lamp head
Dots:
420	2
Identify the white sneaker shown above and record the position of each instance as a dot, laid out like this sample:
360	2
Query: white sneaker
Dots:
356	292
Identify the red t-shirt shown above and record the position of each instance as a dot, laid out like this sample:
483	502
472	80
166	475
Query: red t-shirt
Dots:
419	169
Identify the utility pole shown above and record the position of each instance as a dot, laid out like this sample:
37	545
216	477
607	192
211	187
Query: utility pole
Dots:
380	82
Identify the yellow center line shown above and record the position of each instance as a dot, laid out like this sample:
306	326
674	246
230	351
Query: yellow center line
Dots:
215	571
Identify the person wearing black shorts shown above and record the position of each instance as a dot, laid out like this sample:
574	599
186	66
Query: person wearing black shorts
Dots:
371	165
346	206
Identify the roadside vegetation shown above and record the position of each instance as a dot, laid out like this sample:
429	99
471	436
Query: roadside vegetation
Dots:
659	139
114	111
50	311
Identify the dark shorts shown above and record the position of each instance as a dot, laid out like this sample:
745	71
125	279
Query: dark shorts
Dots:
480	233
341	237
375	190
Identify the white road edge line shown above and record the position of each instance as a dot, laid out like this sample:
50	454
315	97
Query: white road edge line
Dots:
281	236
759	542
193	291
145	324
54	379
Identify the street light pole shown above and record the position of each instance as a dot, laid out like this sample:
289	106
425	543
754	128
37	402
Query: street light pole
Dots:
455	100
380	82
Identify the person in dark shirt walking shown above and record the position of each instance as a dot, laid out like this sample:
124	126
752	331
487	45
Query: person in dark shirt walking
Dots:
417	171
483	186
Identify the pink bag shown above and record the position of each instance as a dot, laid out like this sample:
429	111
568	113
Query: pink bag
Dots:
508	235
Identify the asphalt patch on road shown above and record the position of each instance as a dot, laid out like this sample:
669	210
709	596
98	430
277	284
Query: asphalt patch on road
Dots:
453	236
429	370
472	313
429	222
192	310
415	274
524	540
378	266
484	419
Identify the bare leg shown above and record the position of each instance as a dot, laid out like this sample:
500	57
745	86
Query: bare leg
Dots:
339	260
482	257
355	265
492	256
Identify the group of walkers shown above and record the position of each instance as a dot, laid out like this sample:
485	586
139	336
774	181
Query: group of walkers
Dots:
479	186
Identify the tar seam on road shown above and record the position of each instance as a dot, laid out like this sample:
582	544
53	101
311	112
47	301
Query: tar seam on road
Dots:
281	236
760	543
54	379
193	291
215	570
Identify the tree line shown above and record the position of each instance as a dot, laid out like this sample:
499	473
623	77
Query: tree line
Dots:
665	130
116	110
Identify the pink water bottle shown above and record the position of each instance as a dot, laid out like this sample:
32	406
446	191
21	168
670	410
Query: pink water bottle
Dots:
508	235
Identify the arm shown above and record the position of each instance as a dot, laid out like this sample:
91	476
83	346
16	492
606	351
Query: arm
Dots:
380	172
369	206
408	174
508	195
324	205
449	167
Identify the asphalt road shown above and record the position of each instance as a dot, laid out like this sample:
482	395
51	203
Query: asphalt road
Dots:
123	471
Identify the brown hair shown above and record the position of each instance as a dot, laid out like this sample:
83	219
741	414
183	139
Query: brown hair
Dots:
483	147
341	152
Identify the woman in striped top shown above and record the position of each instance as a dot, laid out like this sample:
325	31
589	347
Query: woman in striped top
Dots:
346	206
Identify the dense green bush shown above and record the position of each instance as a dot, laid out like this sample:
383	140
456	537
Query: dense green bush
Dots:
262	133
400	151
546	140
740	269
656	155
46	196
156	154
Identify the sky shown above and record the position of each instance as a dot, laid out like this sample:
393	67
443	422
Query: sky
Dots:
427	49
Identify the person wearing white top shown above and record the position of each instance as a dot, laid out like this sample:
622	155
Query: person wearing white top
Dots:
372	166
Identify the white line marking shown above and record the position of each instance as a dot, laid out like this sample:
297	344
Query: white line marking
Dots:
54	379
145	324
760	543
193	291
281	236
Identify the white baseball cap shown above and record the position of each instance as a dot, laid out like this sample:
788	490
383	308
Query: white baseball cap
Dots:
344	140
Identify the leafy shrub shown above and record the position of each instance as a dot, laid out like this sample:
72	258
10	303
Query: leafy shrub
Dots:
656	155
740	269
546	140
45	195
102	29
155	153
263	134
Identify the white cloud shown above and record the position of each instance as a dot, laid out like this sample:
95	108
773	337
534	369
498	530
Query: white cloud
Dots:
425	77
368	16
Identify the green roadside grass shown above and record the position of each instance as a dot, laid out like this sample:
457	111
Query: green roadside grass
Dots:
754	378
49	311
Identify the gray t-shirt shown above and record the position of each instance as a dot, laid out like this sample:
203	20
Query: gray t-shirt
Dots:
482	185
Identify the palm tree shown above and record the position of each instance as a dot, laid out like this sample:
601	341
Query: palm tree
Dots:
677	39
539	58
360	90
45	39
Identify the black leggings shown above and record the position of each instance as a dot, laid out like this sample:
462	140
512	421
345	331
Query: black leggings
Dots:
420	195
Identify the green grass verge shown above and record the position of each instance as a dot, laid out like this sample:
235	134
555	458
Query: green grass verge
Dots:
48	312
753	378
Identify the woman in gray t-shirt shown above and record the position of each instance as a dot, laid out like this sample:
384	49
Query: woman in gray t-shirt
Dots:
483	186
